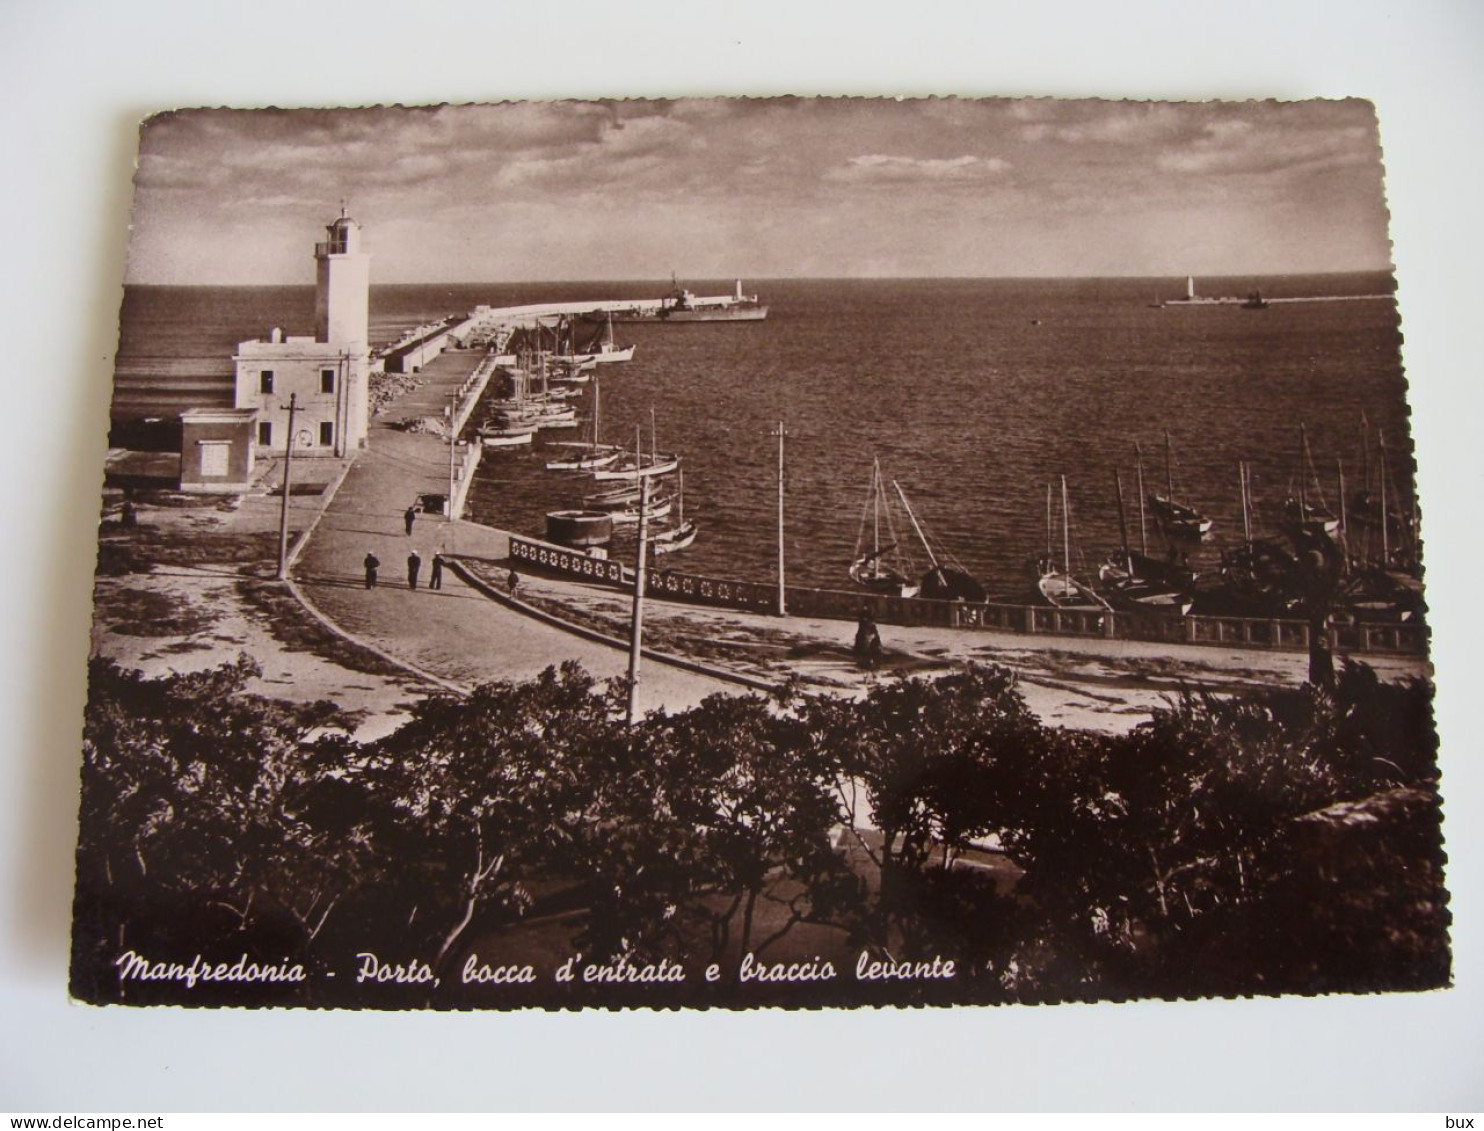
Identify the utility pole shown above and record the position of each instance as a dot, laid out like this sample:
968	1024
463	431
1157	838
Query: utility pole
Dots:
636	632
782	598
283	518
453	440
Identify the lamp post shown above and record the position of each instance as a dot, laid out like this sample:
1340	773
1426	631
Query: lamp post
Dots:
453	440
782	598
636	630
283	518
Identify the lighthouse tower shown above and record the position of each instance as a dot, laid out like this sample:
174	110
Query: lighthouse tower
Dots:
311	393
342	286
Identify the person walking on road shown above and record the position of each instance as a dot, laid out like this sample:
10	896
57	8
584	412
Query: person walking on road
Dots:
435	578
414	567
372	564
867	641
410	517
513	581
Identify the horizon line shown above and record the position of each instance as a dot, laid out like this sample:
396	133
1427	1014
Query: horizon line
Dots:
1387	270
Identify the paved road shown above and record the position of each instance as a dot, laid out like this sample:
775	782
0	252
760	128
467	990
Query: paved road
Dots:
456	633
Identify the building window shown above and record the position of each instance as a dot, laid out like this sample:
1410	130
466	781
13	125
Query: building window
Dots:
326	434
327	380
265	381
265	433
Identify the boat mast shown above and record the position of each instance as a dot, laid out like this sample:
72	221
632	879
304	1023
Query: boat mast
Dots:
1128	558
1169	470
597	415
876	512
1066	532
1242	473
1303	470
1143	527
1365	452
932	557
1340	468
1385	531
1050	543
782	600
654	447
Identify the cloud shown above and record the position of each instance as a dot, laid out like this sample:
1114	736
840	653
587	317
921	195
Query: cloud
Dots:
1239	147
881	168
629	188
1100	123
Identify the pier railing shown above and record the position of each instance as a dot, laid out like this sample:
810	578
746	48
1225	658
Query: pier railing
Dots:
571	563
1033	620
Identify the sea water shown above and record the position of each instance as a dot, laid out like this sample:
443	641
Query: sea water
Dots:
974	394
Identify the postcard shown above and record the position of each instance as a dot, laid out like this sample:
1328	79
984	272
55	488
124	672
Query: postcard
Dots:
759	552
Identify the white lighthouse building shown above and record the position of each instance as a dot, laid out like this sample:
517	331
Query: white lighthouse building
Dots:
324	375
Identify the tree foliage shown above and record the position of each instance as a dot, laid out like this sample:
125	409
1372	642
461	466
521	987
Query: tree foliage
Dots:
1275	841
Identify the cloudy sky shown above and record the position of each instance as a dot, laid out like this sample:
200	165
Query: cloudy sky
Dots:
765	189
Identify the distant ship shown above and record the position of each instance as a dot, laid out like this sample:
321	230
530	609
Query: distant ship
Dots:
681	305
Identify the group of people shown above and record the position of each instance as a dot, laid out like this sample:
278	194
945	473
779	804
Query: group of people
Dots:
414	570
372	564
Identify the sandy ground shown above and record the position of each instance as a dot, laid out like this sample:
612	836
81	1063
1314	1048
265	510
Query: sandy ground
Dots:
188	617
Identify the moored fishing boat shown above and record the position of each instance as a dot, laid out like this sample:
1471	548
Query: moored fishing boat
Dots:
602	499
1176	519
661	464
506	436
946	579
1306	514
591	455
1058	586
655	463
670	539
881	569
627	514
1135	580
584	458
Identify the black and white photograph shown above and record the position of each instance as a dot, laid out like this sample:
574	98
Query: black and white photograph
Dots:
743	552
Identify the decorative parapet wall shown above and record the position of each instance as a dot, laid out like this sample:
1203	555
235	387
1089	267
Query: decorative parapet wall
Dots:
1034	620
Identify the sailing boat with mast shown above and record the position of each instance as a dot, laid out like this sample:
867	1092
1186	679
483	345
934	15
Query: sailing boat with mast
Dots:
589	454
1139	581
1261	576
625	509
656	463
1177	519
683	533
1058	586
883	569
606	350
947	580
1307	514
